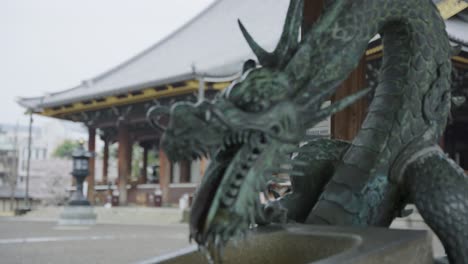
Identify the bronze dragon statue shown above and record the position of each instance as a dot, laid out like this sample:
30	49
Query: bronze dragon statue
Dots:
252	128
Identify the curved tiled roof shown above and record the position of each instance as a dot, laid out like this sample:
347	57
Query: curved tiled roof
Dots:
457	29
210	43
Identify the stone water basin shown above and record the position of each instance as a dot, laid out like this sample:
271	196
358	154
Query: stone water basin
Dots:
298	244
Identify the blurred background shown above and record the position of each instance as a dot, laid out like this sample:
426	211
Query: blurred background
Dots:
89	70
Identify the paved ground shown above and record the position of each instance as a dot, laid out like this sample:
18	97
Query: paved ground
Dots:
418	224
142	233
116	215
45	242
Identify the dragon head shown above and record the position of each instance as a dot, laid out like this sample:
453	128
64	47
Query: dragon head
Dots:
248	130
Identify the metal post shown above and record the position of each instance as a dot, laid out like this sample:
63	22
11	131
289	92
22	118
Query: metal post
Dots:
26	197
201	83
201	89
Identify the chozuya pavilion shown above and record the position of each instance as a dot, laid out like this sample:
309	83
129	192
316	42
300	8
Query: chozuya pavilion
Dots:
195	62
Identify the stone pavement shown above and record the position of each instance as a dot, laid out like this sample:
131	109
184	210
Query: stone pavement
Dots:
122	235
415	221
116	215
44	242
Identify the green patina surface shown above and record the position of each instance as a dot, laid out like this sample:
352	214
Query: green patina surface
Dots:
251	130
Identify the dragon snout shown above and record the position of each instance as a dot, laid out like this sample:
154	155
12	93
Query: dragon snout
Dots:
188	131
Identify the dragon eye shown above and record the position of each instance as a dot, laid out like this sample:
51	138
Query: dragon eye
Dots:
248	65
276	129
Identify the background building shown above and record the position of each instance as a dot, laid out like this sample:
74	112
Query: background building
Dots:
49	175
11	197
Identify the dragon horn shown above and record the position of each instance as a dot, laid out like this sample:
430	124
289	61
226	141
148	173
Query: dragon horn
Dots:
290	36
320	95
288	41
263	56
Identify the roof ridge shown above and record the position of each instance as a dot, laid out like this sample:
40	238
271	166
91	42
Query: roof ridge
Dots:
156	45
127	61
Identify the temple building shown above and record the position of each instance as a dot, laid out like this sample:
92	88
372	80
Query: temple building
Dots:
195	62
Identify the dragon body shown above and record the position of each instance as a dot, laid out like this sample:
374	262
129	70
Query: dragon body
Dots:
252	128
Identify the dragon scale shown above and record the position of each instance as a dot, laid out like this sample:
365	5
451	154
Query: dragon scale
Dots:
410	104
251	129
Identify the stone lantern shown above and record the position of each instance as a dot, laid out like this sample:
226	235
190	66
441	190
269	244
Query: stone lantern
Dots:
79	210
80	172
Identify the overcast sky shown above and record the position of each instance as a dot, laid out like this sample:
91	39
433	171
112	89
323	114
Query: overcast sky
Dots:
52	45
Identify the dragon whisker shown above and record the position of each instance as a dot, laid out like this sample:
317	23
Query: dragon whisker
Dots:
300	163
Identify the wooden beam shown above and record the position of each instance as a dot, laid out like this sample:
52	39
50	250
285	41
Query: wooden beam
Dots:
132	119
131	113
449	8
142	95
145	134
92	163
147	137
460	59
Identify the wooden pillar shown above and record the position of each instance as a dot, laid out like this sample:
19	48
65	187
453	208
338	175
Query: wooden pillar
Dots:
203	165
92	163
105	162
144	173
185	171
129	160
164	176
345	124
312	11
123	162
